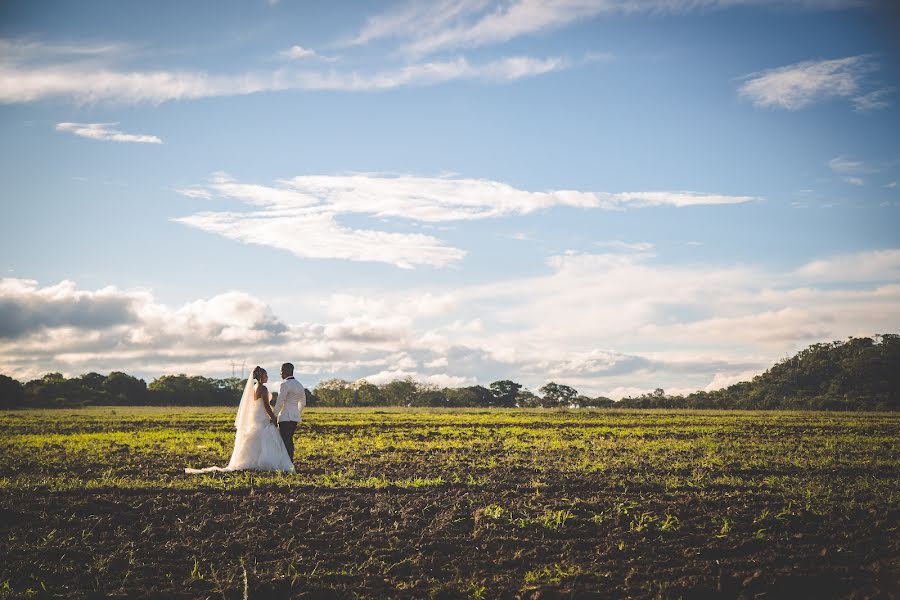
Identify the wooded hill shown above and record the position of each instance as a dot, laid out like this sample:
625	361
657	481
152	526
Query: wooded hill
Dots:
857	374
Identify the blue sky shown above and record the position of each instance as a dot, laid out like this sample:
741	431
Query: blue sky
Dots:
614	195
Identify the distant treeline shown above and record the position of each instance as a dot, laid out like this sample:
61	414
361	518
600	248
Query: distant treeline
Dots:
858	374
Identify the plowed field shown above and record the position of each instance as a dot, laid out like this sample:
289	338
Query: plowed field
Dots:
453	504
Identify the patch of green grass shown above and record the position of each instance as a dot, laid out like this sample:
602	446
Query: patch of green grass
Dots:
809	460
550	574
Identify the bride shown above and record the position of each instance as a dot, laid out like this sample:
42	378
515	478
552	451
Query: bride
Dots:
257	443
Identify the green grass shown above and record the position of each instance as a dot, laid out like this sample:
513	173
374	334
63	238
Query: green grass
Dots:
812	459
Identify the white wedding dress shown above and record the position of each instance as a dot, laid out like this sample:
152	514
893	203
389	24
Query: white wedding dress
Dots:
257	444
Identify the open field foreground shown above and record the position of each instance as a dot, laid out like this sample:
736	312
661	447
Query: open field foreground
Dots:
417	503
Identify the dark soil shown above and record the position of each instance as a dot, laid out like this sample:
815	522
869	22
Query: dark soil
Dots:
438	542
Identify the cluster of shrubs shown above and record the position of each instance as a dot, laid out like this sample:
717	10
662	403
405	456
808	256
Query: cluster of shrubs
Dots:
858	374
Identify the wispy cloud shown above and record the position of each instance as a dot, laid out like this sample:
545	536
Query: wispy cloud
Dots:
429	27
26	76
105	132
677	199
630	246
296	52
847	166
194	192
800	85
301	214
874	100
25	50
874	265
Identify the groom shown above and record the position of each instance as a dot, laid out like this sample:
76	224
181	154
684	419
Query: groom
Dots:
291	400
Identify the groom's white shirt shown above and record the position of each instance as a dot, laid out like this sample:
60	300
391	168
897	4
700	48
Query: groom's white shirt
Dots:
291	400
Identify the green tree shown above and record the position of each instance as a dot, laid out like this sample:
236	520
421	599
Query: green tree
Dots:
556	395
505	393
130	390
52	390
400	392
12	393
332	392
367	394
474	396
598	402
179	390
432	397
528	399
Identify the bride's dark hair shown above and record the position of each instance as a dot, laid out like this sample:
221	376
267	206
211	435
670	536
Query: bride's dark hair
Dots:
257	371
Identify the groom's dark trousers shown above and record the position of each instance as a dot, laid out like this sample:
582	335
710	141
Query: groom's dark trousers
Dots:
287	429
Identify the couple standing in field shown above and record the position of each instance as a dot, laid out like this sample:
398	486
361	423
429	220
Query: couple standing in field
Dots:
264	437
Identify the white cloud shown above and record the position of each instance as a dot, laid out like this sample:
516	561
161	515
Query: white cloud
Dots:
891	185
724	379
24	307
194	192
800	85
29	76
296	52
711	312
105	132
437	379
431	199
415	18
435	199
432	73
447	24
89	85
620	245
855	180
318	235
437	363
847	166
647	324
25	50
301	214
875	266
62	327
874	100
678	199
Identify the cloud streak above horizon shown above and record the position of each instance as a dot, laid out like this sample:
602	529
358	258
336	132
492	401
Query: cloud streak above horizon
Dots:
530	329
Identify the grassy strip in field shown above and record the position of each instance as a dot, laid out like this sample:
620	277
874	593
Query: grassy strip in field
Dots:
822	459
